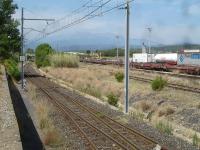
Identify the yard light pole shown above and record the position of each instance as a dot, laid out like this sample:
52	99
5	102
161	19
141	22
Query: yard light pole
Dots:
127	58
149	30
117	39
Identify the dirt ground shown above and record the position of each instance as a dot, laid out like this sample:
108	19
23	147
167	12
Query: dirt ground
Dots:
178	108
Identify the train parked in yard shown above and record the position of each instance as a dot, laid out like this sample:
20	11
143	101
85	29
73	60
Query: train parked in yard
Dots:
186	61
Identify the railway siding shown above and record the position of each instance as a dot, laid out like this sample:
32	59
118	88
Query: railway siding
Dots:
169	141
87	121
9	131
96	103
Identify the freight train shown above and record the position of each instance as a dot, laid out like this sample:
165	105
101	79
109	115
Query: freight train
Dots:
186	61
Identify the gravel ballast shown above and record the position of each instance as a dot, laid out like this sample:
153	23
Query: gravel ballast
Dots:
9	131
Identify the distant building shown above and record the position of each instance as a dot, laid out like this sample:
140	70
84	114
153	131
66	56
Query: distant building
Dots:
74	53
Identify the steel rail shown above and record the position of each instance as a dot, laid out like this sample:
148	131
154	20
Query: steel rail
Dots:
171	85
95	112
146	141
66	116
68	110
104	62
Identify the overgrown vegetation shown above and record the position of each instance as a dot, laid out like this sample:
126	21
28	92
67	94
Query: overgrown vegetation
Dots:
195	140
0	70
144	106
198	106
64	60
158	83
99	114
165	111
12	68
52	138
137	114
91	90
113	99
164	127
50	134
119	76
110	52
42	54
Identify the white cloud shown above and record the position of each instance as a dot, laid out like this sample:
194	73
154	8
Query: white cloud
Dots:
194	9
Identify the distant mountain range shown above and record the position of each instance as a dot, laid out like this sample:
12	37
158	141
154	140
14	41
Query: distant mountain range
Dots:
135	48
175	48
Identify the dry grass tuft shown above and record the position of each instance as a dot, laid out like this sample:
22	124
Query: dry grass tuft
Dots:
198	106
0	70
166	111
165	127
43	109
90	80
144	106
32	92
64	60
52	138
44	123
136	114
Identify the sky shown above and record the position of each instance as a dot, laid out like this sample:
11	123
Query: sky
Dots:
172	22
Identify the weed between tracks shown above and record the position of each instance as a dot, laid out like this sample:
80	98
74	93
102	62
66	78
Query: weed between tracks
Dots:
51	136
164	127
196	140
1	73
99	114
165	111
198	106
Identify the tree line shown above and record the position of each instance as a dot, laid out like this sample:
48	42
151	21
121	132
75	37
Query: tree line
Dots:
9	33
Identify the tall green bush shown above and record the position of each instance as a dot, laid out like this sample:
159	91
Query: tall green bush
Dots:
42	53
158	84
195	140
12	68
113	99
119	76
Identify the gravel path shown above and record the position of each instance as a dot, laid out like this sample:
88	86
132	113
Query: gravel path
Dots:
9	132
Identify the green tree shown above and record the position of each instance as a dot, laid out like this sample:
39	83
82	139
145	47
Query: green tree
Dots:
9	33
42	53
88	52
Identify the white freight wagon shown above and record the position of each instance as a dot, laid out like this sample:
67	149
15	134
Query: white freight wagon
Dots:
143	57
172	57
189	57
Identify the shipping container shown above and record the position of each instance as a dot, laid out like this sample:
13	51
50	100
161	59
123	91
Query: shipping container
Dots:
143	57
189	58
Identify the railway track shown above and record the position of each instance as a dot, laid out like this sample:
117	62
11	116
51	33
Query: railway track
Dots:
97	130
171	85
184	76
180	75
